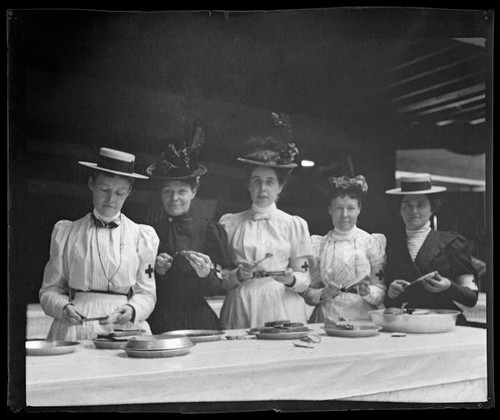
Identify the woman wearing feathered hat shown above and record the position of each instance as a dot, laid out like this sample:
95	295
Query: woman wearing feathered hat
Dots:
100	265
270	247
442	258
347	263
192	250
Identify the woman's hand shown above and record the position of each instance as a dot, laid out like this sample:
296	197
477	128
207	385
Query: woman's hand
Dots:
71	315
163	263
437	283
330	291
121	316
396	288
245	271
288	279
201	263
364	287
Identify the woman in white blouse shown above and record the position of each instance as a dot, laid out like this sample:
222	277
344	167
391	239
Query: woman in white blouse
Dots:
101	265
347	263
269	247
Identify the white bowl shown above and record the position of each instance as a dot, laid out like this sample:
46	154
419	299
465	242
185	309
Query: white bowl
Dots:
432	321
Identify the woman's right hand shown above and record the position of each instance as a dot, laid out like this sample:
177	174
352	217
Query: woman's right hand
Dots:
71	315
329	292
245	271
163	263
396	288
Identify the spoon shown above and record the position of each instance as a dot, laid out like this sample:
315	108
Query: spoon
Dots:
268	255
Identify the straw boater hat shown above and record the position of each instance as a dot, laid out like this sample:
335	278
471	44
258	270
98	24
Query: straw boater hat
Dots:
277	151
416	184
115	162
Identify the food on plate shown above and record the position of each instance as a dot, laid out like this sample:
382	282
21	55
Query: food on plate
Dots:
409	311
276	323
394	311
118	334
277	327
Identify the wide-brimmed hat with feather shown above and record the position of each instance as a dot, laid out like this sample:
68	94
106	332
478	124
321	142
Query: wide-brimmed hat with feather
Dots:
180	162
277	150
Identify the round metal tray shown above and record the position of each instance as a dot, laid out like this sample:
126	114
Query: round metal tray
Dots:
104	343
362	331
282	335
157	353
433	321
197	336
158	342
50	348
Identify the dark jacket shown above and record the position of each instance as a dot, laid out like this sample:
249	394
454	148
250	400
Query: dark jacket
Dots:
445	252
180	293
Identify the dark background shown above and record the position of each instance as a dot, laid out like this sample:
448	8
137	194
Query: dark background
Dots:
81	80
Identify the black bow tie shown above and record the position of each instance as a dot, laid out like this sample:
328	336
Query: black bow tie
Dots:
100	223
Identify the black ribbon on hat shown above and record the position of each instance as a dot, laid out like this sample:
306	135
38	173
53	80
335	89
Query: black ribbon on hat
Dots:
115	164
416	186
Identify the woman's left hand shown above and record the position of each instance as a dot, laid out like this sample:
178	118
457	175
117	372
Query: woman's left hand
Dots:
201	263
121	316
287	279
364	286
437	284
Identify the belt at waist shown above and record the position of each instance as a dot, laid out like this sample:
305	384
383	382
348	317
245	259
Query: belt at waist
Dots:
106	292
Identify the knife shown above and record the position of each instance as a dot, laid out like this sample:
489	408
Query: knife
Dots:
99	318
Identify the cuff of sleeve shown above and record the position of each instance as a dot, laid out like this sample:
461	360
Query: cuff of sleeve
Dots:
302	281
375	295
61	314
230	279
133	313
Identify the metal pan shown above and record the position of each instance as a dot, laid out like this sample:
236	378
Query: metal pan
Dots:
282	335
150	354
158	342
197	336
361	331
421	321
50	348
104	343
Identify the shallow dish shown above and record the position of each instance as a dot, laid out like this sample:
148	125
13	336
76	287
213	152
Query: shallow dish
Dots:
103	343
50	348
158	342
432	321
362	331
197	336
282	335
149	354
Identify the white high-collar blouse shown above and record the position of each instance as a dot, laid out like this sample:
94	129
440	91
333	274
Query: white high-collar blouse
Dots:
85	258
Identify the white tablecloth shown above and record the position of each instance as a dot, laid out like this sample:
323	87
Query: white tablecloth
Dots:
448	367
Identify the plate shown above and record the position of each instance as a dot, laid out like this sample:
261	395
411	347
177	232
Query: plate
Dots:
157	353
198	336
364	331
283	335
103	343
50	348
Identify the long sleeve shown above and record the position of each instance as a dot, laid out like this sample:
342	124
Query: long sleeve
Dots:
54	293
377	258
144	290
312	295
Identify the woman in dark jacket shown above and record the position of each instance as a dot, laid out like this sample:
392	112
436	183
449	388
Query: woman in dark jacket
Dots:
192	250
442	257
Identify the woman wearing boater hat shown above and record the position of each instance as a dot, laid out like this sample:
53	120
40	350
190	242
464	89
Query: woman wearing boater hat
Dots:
270	247
442	257
100	266
192	250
